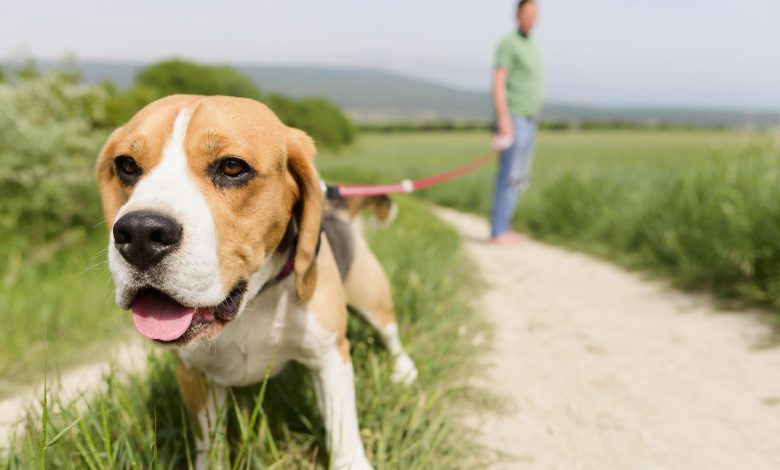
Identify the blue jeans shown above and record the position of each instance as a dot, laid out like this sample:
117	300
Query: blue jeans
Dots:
514	172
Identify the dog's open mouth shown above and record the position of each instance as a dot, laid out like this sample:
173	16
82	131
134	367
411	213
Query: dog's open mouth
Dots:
159	317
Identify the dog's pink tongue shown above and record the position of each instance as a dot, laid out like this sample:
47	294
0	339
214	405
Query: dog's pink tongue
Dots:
157	316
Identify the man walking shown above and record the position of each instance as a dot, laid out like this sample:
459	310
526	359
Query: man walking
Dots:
517	97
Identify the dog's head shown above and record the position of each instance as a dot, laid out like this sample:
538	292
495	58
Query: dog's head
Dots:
198	192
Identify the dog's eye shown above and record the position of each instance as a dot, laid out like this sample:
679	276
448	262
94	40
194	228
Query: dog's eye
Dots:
233	167
127	169
230	172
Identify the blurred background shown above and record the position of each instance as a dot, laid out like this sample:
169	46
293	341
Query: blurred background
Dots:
659	145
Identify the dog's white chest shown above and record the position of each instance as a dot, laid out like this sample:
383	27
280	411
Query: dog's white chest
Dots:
271	331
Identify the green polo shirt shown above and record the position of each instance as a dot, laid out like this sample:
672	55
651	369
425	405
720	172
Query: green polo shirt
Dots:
521	58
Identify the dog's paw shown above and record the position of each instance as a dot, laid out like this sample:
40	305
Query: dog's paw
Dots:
404	370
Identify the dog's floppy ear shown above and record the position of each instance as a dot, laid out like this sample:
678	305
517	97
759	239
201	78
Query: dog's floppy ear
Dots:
111	195
300	156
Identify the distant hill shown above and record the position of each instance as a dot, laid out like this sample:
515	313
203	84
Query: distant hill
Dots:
373	95
366	94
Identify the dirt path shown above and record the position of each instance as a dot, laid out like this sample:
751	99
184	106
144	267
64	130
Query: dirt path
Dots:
86	379
605	370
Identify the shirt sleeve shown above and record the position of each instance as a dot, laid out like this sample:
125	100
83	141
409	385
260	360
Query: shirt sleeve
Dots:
502	59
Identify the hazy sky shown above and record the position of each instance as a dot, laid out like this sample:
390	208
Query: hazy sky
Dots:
616	52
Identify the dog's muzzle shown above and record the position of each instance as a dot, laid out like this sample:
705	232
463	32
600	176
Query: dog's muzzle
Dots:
144	238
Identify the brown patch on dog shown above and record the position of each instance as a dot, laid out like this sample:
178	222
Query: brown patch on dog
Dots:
143	138
367	287
213	144
111	192
328	303
251	220
138	146
381	206
279	167
193	386
343	345
301	152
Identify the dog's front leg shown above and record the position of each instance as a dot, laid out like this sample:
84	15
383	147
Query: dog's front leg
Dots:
334	385
206	402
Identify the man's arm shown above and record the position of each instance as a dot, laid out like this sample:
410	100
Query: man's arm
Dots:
505	127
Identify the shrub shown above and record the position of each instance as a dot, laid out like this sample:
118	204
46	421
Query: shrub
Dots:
123	104
178	76
715	228
317	116
323	120
48	144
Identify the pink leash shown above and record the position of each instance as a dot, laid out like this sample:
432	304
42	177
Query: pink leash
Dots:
407	185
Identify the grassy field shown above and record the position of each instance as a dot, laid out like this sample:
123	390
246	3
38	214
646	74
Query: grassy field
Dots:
697	207
621	155
139	420
58	306
628	156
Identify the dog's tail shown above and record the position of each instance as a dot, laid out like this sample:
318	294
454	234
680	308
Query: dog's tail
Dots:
382	209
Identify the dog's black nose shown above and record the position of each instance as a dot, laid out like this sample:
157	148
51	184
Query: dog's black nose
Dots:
144	238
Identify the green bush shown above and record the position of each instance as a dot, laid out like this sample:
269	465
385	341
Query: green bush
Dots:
716	228
323	120
178	76
48	144
319	117
123	104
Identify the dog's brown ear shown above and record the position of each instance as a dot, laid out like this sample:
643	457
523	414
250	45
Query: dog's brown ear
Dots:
111	195
300	157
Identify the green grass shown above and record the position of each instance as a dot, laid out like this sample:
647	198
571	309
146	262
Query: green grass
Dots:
714	229
58	297
697	207
614	154
139	420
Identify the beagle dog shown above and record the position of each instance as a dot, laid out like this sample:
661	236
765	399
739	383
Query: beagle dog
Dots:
221	246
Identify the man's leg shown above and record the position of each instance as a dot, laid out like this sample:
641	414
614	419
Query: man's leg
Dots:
520	170
503	196
513	175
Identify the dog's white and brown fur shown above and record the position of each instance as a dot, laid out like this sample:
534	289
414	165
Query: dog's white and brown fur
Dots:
208	199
